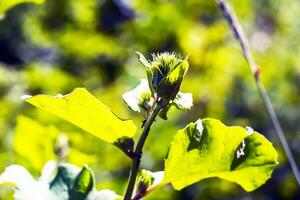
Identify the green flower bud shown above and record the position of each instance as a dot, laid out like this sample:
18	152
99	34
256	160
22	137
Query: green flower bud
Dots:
165	73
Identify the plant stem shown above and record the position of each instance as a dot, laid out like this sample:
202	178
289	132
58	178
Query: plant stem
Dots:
138	151
232	20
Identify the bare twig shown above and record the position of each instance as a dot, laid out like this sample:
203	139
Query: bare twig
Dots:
232	20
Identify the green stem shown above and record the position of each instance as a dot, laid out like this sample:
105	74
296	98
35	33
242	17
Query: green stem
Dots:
136	160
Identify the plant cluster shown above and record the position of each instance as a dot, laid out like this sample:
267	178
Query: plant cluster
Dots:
203	149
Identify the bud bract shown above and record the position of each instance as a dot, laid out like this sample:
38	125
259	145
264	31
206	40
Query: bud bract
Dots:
165	74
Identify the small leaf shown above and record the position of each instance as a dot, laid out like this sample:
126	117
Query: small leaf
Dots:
85	111
84	183
64	180
183	100
7	4
126	145
69	183
139	97
164	112
210	149
142	59
148	179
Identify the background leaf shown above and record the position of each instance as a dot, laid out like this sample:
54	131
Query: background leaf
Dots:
87	112
211	149
70	182
34	141
7	4
36	144
24	184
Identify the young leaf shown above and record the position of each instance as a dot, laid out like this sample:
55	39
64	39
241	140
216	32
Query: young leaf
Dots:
211	149
85	111
183	101
138	97
64	180
148	179
84	183
7	4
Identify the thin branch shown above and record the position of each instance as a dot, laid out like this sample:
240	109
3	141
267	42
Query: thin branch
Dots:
138	151
232	20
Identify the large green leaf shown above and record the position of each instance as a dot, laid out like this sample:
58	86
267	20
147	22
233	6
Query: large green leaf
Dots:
85	111
7	4
211	149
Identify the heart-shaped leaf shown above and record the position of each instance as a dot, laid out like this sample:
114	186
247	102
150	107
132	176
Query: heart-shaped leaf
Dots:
85	111
210	149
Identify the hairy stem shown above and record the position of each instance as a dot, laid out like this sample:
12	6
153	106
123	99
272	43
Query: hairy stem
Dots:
138	151
232	20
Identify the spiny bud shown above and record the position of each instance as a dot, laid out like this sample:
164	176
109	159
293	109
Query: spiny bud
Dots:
165	74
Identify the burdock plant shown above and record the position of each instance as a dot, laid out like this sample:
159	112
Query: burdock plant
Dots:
203	149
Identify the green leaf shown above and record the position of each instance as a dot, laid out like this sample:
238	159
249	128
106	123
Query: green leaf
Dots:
164	112
72	183
69	183
183	101
28	142
38	151
143	60
211	149
139	97
64	180
7	4
126	145
148	179
84	183
85	111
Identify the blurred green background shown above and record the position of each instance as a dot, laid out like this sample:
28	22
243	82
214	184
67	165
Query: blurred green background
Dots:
62	44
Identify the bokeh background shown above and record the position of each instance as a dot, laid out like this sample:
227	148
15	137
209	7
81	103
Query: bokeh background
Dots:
62	44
